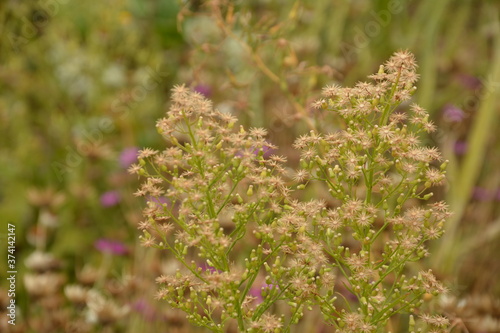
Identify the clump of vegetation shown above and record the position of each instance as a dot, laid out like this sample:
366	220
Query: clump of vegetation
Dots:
233	217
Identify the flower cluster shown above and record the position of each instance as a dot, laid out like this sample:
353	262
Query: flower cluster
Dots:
215	200
375	168
220	192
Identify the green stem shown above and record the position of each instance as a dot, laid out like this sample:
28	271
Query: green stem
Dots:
396	302
398	265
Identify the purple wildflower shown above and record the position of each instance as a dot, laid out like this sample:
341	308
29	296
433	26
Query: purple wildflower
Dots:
109	246
128	156
460	147
110	198
469	81
206	267
257	293
453	114
481	194
267	150
203	89
147	311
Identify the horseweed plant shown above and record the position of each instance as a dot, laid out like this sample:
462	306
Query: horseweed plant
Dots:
255	256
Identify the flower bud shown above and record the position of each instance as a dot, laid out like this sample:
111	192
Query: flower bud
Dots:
428	196
411	326
330	173
401	198
250	191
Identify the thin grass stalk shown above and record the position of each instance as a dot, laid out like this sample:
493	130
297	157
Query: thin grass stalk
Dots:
429	51
482	129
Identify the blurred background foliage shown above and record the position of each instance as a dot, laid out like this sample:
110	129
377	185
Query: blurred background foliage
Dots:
82	84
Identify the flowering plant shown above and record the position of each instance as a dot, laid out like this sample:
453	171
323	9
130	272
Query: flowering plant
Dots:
234	219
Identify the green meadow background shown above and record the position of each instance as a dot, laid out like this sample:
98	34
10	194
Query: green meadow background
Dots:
82	84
